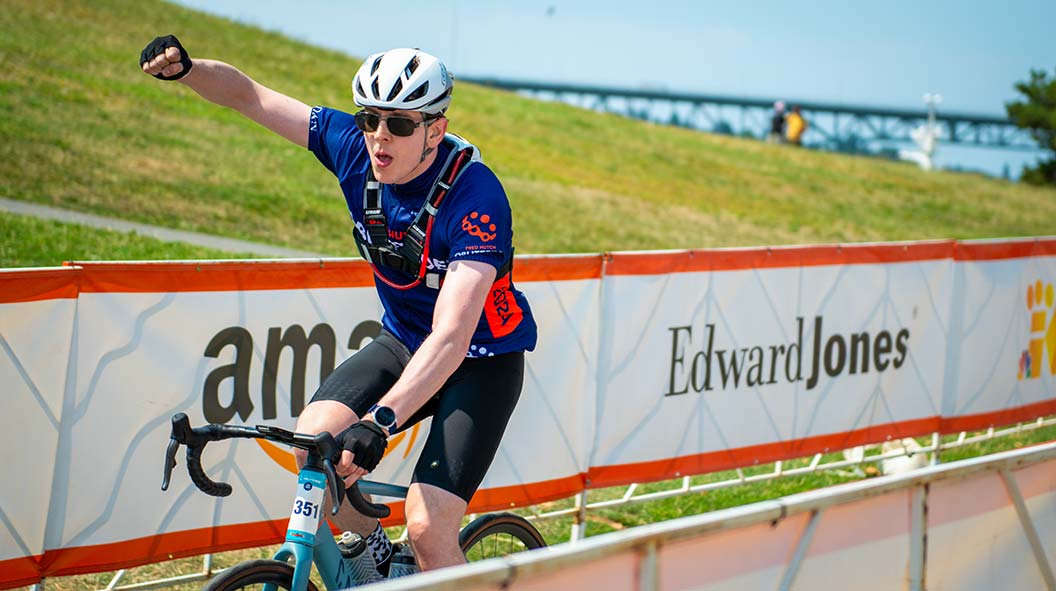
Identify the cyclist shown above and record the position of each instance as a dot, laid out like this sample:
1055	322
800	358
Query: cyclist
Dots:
455	329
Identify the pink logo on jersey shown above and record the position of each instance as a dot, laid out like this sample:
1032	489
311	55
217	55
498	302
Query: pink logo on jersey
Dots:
470	225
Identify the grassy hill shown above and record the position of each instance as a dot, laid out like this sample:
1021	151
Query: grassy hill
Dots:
81	127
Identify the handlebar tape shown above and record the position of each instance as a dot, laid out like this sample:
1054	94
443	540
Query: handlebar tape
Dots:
361	504
198	476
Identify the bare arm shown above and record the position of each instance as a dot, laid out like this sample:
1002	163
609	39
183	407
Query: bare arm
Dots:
225	85
455	318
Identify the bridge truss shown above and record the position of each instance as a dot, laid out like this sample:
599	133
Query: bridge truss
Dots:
838	127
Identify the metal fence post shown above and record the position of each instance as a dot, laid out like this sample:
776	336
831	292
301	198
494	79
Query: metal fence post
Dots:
579	521
647	568
1029	530
918	540
936	444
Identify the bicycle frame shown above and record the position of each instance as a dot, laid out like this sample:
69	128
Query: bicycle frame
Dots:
308	537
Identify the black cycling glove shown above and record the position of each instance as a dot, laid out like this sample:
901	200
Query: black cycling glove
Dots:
366	441
158	47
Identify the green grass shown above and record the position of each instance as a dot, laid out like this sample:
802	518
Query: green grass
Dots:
87	130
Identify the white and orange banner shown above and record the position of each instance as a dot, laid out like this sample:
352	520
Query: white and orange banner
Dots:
649	365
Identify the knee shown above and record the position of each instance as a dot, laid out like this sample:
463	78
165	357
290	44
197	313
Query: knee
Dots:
326	415
426	533
301	456
423	532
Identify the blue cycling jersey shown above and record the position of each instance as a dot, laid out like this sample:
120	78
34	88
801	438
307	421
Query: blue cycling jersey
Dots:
473	223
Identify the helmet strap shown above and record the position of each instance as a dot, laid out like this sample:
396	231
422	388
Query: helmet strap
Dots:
426	150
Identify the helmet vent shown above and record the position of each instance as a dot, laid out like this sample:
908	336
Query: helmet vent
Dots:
374	67
418	92
374	88
359	88
411	67
396	88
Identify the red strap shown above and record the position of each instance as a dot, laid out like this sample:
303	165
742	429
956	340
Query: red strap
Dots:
428	230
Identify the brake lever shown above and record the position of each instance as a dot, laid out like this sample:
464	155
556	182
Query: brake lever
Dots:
170	462
180	433
327	448
337	492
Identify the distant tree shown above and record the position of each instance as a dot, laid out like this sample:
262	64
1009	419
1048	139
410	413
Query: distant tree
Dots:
1037	113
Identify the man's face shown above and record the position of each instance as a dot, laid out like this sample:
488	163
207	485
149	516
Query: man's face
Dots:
399	159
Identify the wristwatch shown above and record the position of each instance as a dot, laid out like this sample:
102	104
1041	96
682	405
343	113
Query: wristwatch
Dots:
385	417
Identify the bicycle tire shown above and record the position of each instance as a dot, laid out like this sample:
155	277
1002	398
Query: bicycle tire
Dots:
255	572
498	534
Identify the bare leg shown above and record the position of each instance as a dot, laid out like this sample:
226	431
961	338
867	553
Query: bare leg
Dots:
333	416
434	517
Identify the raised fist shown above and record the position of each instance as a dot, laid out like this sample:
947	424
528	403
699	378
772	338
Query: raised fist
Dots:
165	59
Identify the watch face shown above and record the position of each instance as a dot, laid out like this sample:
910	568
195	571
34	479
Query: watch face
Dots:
385	416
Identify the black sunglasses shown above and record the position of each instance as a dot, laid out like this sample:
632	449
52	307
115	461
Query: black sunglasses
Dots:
400	126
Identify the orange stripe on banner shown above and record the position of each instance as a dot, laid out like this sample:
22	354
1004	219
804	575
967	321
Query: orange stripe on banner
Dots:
690	261
504	497
19	572
265	275
38	284
990	251
997	418
224	276
603	476
103	557
557	268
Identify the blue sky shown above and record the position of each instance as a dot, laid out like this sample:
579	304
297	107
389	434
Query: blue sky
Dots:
878	53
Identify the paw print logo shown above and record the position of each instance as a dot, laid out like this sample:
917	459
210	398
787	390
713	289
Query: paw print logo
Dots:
1042	345
478	225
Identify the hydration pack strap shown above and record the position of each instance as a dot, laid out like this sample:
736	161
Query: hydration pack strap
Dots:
412	257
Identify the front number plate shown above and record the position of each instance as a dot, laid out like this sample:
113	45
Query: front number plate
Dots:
307	507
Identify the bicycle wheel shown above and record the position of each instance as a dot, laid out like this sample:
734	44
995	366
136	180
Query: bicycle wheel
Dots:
498	534
255	574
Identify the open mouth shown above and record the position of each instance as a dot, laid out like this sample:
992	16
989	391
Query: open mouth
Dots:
382	159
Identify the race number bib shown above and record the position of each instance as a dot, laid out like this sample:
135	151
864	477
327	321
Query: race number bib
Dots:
307	507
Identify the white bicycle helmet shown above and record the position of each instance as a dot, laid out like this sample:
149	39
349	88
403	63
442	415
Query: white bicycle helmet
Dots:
407	79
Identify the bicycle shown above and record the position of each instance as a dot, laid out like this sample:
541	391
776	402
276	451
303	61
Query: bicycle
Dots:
308	538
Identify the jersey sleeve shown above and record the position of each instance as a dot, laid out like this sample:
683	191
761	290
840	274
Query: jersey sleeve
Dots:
478	225
334	139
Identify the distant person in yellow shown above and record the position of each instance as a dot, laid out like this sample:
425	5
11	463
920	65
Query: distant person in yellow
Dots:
795	125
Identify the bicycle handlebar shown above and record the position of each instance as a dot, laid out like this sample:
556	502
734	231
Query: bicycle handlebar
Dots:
324	445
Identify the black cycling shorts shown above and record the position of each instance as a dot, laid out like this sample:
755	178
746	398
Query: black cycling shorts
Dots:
470	411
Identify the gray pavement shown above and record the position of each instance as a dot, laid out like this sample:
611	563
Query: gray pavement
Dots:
168	235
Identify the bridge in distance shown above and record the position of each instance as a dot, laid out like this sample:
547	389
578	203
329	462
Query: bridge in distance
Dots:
839	127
